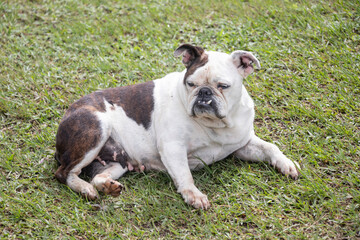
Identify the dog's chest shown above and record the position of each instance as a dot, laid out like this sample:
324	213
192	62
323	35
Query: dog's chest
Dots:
210	146
209	155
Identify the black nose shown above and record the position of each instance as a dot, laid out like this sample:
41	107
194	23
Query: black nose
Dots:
205	92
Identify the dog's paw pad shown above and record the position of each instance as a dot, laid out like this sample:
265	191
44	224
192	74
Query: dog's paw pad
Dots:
112	187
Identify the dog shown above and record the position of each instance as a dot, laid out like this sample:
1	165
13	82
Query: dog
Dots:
176	124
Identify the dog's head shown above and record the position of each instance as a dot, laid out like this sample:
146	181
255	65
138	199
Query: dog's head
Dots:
213	80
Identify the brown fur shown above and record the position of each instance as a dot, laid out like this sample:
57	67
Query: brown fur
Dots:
136	100
198	62
78	133
196	57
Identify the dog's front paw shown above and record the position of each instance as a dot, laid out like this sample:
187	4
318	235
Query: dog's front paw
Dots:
288	168
195	198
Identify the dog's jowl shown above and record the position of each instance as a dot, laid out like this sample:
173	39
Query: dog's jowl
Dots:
177	123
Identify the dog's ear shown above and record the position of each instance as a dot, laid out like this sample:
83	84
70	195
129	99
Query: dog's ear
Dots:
244	62
189	52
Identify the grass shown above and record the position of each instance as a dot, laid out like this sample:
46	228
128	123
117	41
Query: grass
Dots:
307	102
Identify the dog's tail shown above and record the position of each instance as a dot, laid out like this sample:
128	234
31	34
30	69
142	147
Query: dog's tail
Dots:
61	173
57	157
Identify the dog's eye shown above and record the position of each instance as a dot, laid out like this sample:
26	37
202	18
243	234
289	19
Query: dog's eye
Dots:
190	84
223	86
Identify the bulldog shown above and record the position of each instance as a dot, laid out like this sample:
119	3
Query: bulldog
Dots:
176	124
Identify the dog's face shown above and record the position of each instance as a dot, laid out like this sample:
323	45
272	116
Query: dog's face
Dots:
213	80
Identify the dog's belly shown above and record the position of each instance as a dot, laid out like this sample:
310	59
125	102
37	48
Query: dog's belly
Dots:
138	143
139	146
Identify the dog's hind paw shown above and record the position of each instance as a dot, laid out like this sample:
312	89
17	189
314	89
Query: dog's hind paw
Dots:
105	184
89	193
112	187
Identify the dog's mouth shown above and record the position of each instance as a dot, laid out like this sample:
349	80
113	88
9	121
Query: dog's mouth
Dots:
205	104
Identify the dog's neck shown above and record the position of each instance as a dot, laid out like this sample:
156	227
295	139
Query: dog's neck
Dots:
212	123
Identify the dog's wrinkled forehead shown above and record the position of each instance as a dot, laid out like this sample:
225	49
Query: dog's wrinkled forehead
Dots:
193	58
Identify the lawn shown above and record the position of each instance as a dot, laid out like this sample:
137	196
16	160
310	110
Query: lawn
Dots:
307	102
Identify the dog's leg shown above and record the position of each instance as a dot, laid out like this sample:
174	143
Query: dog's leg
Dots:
174	157
79	139
79	185
104	179
258	150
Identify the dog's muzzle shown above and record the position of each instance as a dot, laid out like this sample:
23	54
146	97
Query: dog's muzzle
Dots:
204	103
204	97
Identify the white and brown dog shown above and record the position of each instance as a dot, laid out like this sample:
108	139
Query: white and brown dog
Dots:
177	123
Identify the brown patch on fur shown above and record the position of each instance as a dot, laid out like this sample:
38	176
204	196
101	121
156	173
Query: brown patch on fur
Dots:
198	62
112	152
136	100
193	58
92	102
78	133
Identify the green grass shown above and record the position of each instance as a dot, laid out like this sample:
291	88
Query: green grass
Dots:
307	102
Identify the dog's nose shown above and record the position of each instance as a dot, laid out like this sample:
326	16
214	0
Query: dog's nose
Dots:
205	92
